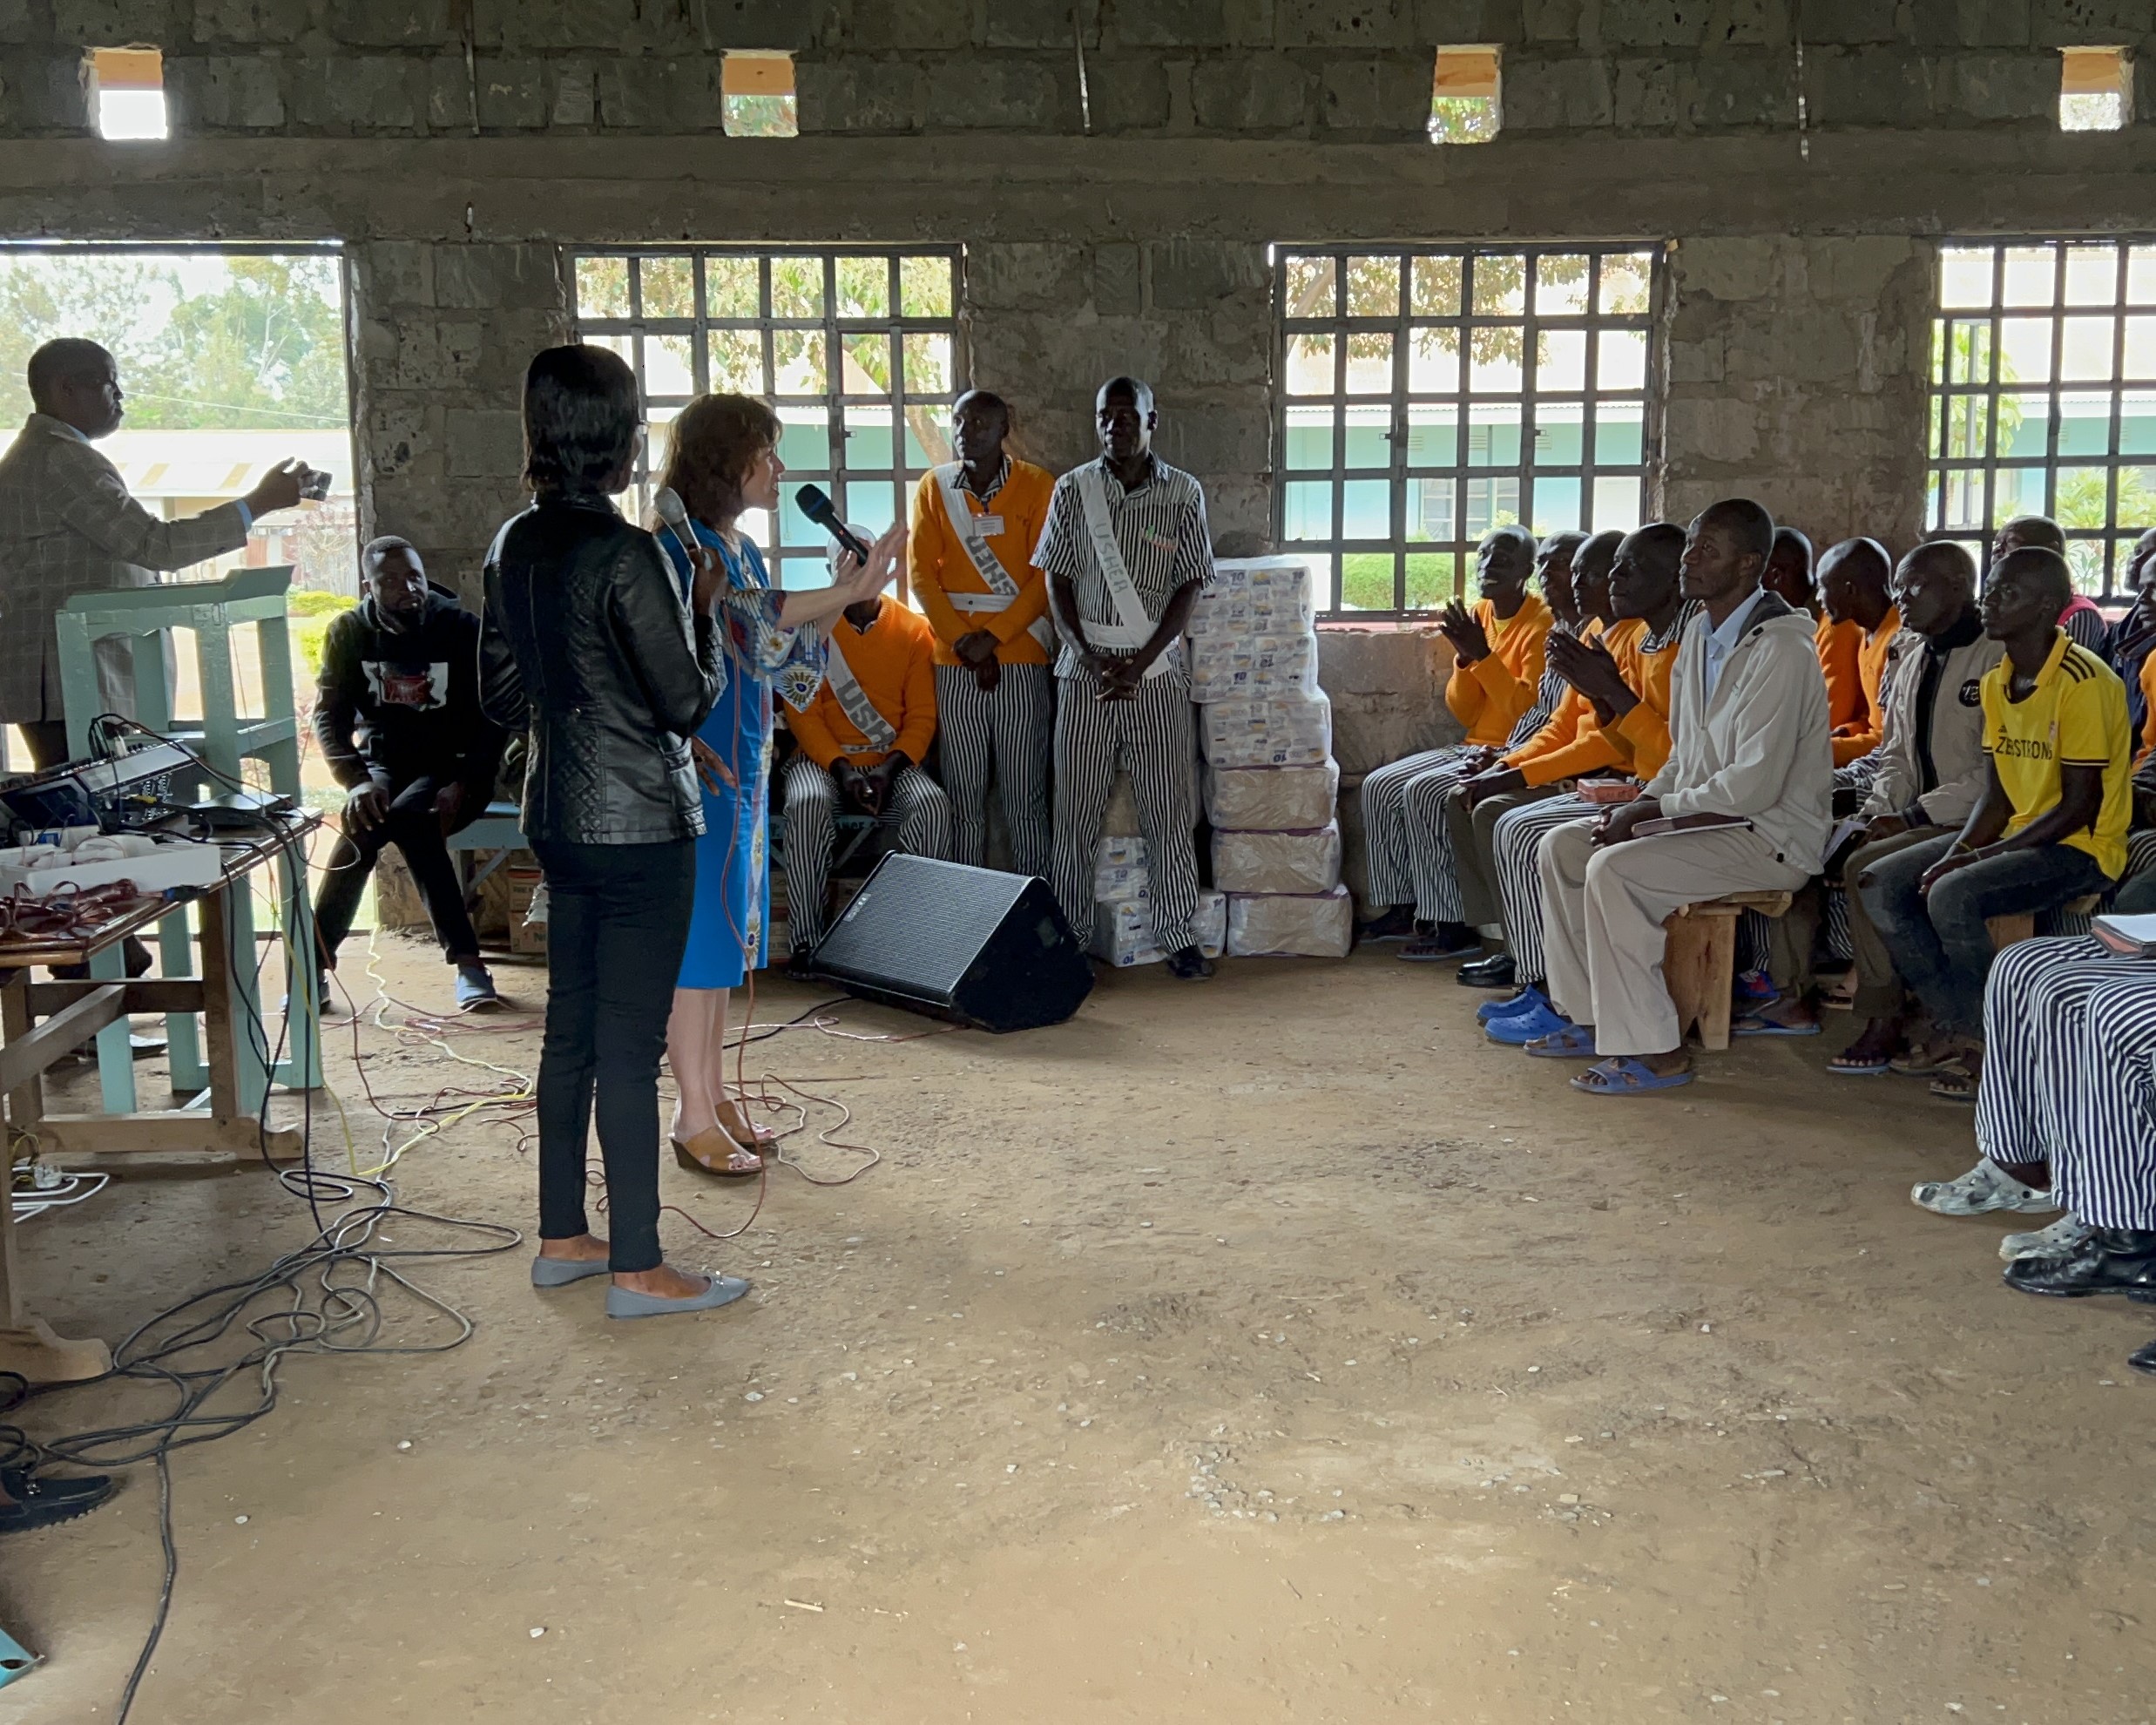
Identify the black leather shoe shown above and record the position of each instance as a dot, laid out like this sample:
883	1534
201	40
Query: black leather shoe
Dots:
2111	1261
1495	972
45	1503
1190	963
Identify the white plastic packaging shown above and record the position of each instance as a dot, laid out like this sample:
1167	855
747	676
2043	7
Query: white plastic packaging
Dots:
1291	925
1256	596
1229	667
1120	875
1272	799
1122	933
1294	863
1277	731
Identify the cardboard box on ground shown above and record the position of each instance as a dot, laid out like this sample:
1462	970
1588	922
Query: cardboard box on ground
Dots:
505	896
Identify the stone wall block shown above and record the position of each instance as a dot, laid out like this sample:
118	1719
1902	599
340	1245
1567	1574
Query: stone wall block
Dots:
485	442
1345	24
1119	279
676	94
1207	439
249	22
394	24
1264	94
575	101
218	92
1749	89
1728	269
1161	23
1388	97
481	277
1850	21
967	92
930	26
1192	274
116	24
1645	97
616	26
358	94
42	91
1783	342
1711	429
1129	92
387	272
860	96
449	93
1444	22
783	24
1969	23
402	438
1230	347
1752	24
514	94
1696	361
1868	86
1026	276
2101	24
1998	87
1552	94
1551	20
1654	23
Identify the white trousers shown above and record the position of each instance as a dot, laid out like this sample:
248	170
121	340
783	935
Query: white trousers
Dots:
1006	734
917	808
1602	922
1154	734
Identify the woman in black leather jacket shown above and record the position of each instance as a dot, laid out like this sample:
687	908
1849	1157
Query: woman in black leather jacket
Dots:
585	644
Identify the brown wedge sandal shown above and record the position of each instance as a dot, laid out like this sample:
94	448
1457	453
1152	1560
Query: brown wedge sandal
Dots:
719	1145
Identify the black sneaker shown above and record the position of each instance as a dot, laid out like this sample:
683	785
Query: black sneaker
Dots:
32	1502
1396	922
1190	964
1497	971
2111	1261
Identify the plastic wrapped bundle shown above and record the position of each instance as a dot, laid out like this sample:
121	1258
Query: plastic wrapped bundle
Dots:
1122	933
1290	862
1272	799
1229	667
1256	596
1277	731
1290	925
1120	875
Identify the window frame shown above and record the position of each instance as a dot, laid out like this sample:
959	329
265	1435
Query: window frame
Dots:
835	475
2113	539
1652	396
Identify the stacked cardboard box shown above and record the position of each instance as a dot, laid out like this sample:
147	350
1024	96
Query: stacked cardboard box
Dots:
1271	781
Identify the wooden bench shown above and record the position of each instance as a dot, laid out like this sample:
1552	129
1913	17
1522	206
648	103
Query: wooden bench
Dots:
1700	962
2007	930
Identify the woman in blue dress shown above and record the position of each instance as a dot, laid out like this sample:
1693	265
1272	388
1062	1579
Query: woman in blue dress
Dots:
723	460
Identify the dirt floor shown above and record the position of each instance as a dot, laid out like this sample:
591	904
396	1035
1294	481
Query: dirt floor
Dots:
1276	1351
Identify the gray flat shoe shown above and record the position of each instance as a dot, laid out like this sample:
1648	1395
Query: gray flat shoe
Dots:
560	1272
623	1302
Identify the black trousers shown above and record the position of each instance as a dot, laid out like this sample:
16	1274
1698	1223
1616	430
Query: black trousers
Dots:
618	920
416	830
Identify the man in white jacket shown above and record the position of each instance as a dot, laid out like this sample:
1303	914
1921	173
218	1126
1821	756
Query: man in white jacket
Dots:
1744	804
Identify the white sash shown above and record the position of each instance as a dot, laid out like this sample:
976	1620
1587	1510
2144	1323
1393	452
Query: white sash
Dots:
1002	588
1135	628
852	698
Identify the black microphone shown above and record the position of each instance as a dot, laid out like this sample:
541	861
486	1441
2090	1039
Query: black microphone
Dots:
813	503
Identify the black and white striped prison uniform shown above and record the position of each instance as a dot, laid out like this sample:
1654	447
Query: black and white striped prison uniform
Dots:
1007	732
2070	1075
1406	844
917	808
1160	529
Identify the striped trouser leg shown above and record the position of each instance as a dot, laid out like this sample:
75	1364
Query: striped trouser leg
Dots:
1389	858
1430	840
1518	837
1086	751
1025	717
1857	776
1839	941
1755	942
921	812
2106	1174
965	725
2034	1014
1160	739
811	804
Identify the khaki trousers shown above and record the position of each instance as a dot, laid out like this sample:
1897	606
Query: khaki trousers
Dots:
1475	852
1602	921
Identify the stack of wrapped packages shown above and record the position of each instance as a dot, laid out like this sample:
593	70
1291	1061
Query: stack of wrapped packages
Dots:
1122	907
1271	782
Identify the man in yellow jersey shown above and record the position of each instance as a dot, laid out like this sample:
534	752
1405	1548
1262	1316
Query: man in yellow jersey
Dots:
2049	824
975	521
1494	690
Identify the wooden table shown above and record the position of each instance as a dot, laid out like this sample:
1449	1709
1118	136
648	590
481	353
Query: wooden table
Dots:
218	1131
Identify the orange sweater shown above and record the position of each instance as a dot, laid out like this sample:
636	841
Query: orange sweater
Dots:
893	661
1573	741
1490	695
1860	735
1840	646
936	564
1642	736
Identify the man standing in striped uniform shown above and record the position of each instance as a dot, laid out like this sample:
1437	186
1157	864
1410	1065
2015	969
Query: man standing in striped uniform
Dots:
975	521
1127	552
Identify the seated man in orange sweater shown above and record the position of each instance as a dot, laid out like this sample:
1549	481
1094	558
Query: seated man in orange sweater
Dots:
1493	690
975	521
1627	680
863	739
1853	581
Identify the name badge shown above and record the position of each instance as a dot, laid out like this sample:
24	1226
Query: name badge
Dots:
988	526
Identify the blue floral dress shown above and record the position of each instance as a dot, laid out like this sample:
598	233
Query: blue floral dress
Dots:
728	929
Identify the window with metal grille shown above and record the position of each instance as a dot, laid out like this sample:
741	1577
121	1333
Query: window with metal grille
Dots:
1427	395
2044	396
858	351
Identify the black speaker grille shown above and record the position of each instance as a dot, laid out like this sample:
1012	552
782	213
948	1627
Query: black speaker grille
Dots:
920	919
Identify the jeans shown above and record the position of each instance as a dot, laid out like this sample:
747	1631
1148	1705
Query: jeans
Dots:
1940	943
618	918
416	830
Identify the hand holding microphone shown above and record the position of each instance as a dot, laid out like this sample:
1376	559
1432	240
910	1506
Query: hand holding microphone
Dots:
710	577
865	569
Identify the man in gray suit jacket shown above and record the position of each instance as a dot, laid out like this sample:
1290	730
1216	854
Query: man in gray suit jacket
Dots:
67	526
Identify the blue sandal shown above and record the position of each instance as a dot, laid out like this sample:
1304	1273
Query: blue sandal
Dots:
1574	1042
1627	1076
1758	1024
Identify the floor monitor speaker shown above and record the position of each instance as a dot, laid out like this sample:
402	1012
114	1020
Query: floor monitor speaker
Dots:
973	946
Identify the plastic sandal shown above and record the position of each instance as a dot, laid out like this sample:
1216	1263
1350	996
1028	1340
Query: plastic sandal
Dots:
1755	1024
1574	1042
1627	1076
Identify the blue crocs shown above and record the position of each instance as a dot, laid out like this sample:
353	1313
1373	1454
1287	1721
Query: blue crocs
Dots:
1523	1027
1511	1006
